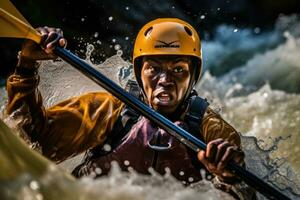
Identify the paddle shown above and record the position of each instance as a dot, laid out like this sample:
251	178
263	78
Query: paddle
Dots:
16	26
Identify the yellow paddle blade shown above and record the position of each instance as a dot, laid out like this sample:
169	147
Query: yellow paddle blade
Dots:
10	8
14	25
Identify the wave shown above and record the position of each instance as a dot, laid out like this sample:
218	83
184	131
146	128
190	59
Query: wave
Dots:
254	59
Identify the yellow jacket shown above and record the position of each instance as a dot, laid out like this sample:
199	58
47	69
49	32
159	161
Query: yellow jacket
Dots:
80	123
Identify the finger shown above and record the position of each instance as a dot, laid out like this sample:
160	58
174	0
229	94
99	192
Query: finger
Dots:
44	33
211	149
52	40
240	157
209	166
59	31
63	42
230	152
201	156
221	149
43	30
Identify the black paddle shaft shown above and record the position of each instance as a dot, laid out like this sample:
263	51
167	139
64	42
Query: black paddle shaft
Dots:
182	135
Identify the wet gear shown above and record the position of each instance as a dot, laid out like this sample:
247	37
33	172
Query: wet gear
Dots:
157	149
145	146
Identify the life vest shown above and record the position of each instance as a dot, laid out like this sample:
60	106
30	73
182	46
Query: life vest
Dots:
136	143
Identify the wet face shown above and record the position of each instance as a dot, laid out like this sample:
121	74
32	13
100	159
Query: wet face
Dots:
165	81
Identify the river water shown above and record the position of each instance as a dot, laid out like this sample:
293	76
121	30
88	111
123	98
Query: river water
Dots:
255	86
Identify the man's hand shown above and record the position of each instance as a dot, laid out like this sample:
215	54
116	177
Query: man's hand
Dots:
31	51
218	153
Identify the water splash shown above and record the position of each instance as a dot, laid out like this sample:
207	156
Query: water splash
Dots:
58	74
28	175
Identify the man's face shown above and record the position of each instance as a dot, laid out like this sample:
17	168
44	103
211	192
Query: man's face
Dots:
165	81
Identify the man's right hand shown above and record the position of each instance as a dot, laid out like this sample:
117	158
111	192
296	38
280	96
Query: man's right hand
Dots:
31	51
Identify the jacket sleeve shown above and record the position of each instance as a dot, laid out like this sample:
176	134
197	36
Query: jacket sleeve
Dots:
67	128
213	127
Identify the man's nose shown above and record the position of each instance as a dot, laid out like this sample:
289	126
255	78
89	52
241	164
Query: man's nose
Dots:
165	79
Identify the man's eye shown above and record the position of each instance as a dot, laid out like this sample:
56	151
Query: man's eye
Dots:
154	68
178	69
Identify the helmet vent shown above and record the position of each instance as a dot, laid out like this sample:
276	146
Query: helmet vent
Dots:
188	31
148	31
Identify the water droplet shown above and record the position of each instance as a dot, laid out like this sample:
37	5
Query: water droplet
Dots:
203	174
151	170
34	185
126	162
107	147
117	47
130	169
119	52
98	171
82	19
257	30
218	9
98	42
202	17
96	34
90	47
181	173
126	38
235	30
191	179
113	40
167	170
127	8
110	18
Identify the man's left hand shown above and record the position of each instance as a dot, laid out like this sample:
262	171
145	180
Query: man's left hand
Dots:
217	155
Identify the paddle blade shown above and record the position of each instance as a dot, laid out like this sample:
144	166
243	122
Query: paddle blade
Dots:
10	8
13	24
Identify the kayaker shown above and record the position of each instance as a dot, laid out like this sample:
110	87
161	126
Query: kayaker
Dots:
167	63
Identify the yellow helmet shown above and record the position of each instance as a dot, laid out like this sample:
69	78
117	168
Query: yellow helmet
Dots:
167	36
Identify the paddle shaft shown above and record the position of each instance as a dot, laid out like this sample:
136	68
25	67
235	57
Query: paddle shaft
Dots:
189	140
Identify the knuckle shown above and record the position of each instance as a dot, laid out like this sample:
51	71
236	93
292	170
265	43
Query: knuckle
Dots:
241	154
223	145
210	144
211	167
231	149
59	30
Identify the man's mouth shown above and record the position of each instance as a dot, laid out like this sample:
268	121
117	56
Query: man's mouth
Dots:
164	97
